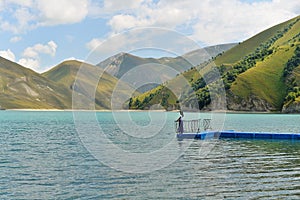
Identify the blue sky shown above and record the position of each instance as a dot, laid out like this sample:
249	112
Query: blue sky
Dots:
40	34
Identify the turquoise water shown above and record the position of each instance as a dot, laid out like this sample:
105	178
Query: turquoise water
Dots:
42	156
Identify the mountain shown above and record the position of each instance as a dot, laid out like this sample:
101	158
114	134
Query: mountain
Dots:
121	63
23	88
259	74
202	55
93	87
124	63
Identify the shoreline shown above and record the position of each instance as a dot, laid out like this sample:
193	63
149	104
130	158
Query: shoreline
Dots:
106	110
71	110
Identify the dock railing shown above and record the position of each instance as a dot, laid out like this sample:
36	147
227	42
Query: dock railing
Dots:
194	126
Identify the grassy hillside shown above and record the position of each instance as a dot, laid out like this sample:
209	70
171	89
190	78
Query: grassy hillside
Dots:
267	80
168	95
241	50
257	73
66	75
23	88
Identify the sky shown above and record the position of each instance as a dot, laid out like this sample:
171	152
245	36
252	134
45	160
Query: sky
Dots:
39	34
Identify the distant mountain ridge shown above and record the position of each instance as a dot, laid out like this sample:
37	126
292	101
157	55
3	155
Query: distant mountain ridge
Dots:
121	63
124	63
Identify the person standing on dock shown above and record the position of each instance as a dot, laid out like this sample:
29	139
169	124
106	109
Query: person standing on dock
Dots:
180	122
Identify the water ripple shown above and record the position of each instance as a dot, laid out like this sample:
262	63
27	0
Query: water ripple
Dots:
42	157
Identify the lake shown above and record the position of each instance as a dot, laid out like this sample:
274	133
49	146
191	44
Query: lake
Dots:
135	155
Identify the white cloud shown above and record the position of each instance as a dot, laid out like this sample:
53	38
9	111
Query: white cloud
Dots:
111	7
19	16
34	51
235	21
22	20
94	43
8	54
31	63
123	22
163	13
1	5
27	3
207	21
31	56
15	39
121	4
62	11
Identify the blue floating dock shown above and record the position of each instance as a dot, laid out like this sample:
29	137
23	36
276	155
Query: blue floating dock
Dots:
242	135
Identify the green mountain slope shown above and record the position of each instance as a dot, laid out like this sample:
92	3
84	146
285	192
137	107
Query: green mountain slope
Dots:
260	74
66	74
266	81
263	81
241	50
23	88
